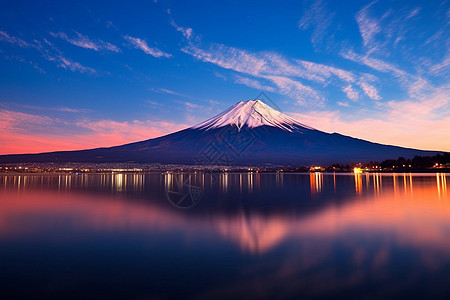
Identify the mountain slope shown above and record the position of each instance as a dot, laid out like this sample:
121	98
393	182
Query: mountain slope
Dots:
248	133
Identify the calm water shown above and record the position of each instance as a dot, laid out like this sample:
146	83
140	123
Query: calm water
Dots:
217	236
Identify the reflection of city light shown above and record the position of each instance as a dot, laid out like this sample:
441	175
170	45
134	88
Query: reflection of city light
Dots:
394	178
240	183
168	179
358	183
250	181
334	181
316	182
376	183
441	182
410	183
118	182
224	181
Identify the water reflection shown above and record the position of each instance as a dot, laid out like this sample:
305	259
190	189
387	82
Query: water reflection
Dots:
316	182
358	183
441	182
309	234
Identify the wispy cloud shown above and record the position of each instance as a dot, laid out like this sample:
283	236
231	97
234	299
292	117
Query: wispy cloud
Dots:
252	83
115	133
84	41
71	65
298	79
167	91
16	41
189	105
72	110
324	72
405	79
368	26
17	121
265	65
46	108
5	37
441	68
186	31
49	52
269	71
304	95
142	45
374	63
351	93
344	104
318	18
369	90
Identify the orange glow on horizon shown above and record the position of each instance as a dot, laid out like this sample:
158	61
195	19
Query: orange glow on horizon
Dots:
111	135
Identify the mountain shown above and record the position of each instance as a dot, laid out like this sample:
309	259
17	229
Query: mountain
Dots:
247	133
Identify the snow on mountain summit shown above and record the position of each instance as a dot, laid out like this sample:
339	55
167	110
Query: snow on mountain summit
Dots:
252	113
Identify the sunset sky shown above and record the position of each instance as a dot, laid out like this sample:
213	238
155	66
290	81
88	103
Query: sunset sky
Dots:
84	74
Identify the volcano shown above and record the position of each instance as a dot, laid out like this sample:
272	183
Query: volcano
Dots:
247	133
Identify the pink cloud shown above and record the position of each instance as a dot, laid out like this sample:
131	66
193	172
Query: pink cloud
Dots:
142	45
84	41
4	36
351	93
408	123
27	133
369	90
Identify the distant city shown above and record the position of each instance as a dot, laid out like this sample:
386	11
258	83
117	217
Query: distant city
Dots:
436	163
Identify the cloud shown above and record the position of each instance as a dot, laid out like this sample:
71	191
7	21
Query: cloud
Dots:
441	68
287	76
191	105
185	31
264	65
351	93
317	17
73	66
252	83
49	52
31	133
84	41
374	63
4	36
142	45
324	72
369	90
405	79
16	120
304	95
46	108
344	104
368	26
72	110
298	79
115	133
418	123
167	91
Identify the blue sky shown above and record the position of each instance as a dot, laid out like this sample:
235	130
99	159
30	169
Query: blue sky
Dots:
80	74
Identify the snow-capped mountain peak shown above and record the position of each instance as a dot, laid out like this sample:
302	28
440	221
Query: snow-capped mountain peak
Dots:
252	113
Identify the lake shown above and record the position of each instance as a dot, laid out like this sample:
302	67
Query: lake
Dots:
223	235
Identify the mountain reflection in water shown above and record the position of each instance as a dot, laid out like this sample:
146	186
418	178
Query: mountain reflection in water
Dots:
251	234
